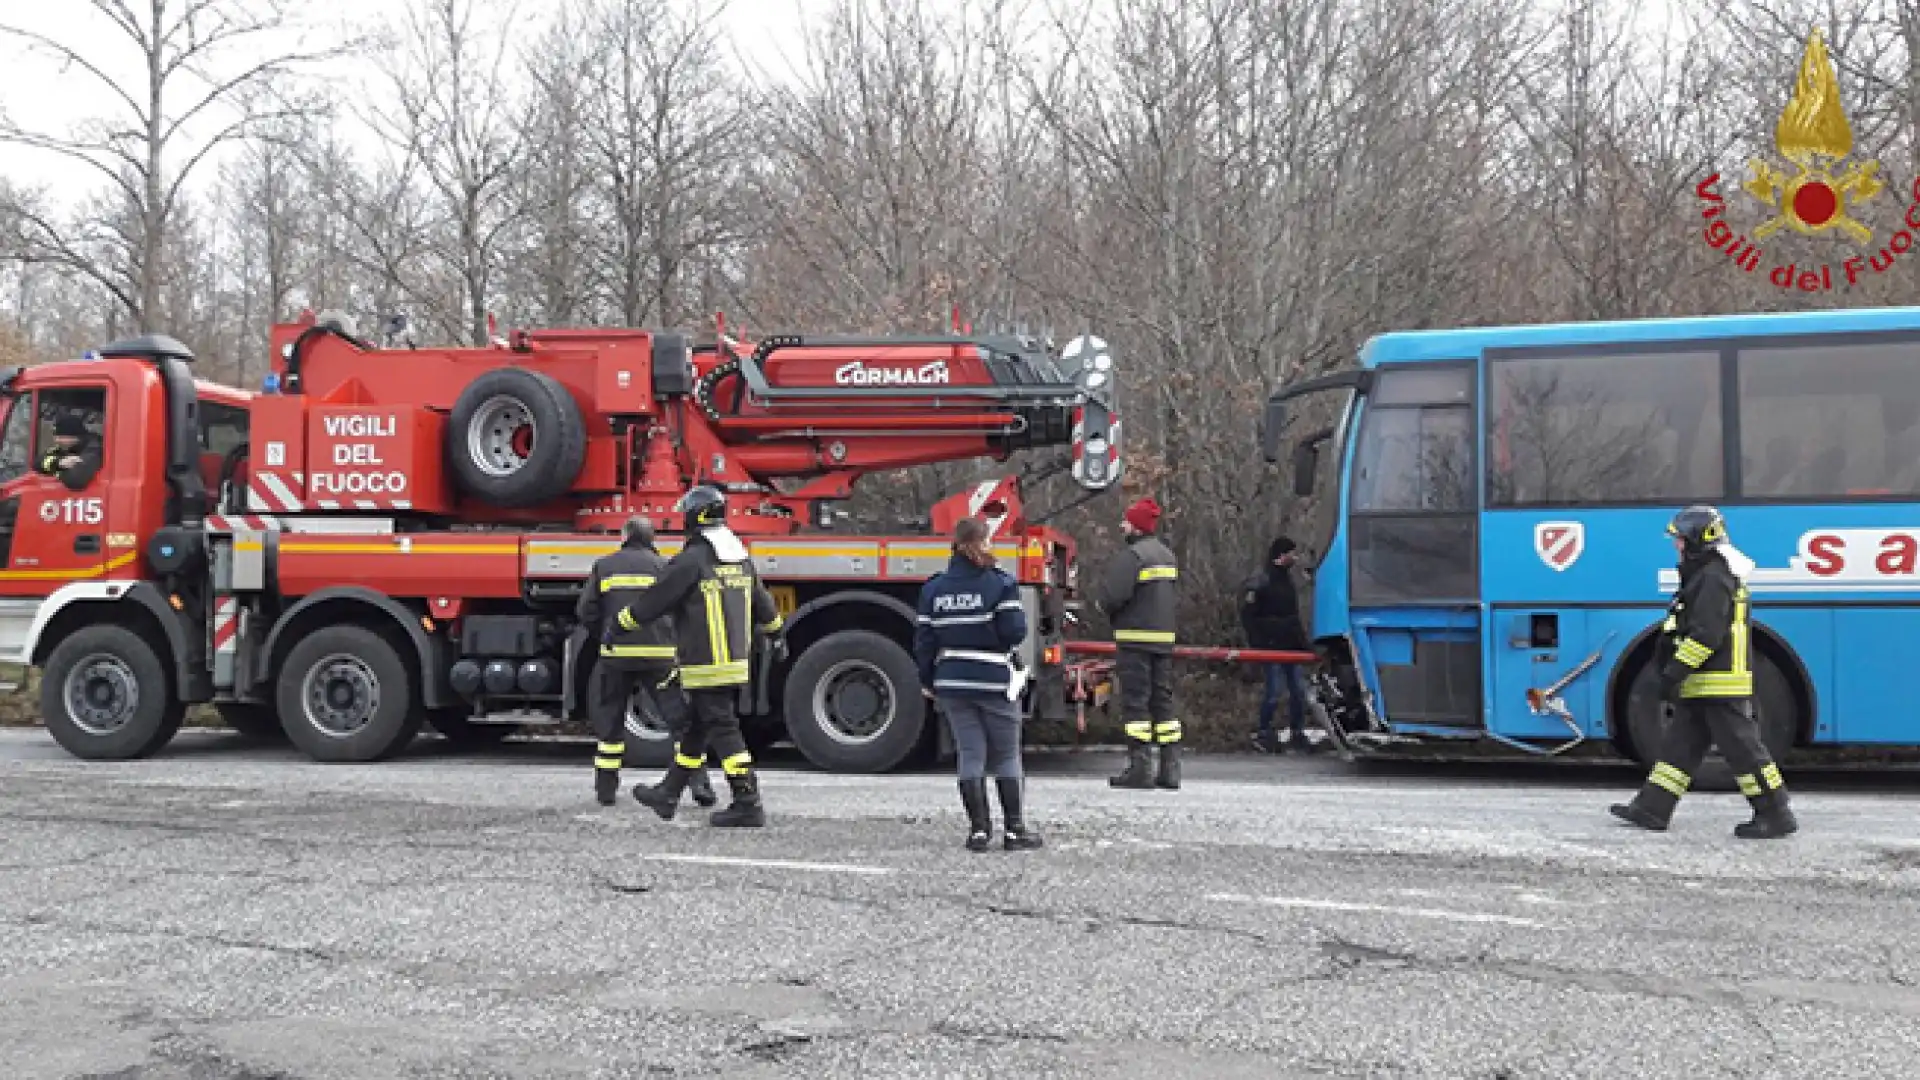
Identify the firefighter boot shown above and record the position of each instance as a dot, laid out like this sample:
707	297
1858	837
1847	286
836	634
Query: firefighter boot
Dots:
663	798
1139	770
1772	817
701	788
746	812
1652	807
973	795
606	771
1169	775
1019	837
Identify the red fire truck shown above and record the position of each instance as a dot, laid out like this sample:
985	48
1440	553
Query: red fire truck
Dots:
390	537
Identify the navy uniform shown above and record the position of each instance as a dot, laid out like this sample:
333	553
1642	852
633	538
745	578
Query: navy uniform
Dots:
971	626
631	657
1138	596
1706	672
71	440
718	604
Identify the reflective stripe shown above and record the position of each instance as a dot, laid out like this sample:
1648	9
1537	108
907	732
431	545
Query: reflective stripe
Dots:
686	762
968	684
1159	573
774	626
977	656
1718	684
959	620
1739	641
738	764
1670	778
1168	732
1140	730
1158	637
704	676
625	581
716	622
1749	786
625	619
1670	625
613	763
652	652
1770	772
1691	652
1009	605
612	748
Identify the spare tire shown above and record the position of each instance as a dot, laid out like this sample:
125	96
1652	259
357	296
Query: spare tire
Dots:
516	438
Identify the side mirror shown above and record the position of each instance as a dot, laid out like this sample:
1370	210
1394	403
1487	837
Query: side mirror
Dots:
1272	423
1306	465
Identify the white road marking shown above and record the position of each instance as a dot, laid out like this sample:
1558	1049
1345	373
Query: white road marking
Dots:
1378	909
770	864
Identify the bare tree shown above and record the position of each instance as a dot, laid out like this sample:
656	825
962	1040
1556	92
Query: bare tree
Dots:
195	96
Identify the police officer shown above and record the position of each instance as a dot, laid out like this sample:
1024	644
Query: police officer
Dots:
971	624
1707	673
1138	596
74	457
718	603
629	658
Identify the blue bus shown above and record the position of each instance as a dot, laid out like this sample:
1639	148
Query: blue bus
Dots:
1485	512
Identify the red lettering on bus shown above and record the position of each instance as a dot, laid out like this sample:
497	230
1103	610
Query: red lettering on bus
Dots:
1826	555
1898	553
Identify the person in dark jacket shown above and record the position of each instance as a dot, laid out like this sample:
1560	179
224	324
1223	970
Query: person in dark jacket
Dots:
1270	614
630	660
74	458
1706	673
1137	593
971	626
718	607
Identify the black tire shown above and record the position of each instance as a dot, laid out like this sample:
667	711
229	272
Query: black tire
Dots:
458	727
367	705
483	454
124	693
256	721
1773	703
853	704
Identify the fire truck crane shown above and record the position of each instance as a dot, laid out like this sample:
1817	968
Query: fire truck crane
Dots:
386	538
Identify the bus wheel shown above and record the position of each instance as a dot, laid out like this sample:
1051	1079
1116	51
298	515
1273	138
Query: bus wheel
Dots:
105	695
346	695
853	704
1774	706
255	721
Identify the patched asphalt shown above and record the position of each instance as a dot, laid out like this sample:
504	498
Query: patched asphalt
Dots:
229	911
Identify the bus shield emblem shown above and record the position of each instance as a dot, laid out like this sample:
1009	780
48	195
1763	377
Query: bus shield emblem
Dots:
1559	543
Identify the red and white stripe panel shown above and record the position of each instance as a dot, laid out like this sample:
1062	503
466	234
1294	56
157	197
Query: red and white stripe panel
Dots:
274	493
244	523
226	625
361	504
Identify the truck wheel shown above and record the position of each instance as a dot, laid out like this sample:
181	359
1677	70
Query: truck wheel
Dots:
516	438
460	729
853	703
346	695
255	721
649	740
105	695
1773	704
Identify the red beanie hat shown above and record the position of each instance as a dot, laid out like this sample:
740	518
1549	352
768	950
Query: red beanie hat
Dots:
1144	515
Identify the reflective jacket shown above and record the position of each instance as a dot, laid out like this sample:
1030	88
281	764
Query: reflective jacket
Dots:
717	602
618	581
1138	595
1708	632
78	475
971	622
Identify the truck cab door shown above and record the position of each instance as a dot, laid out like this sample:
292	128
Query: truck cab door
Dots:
58	534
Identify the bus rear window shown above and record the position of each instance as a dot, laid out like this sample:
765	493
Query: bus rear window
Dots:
1597	429
1830	421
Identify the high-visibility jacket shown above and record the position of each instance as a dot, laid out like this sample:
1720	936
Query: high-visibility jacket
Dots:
1138	595
617	582
717	602
1709	632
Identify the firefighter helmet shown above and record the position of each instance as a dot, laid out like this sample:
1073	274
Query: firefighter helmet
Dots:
704	507
1698	527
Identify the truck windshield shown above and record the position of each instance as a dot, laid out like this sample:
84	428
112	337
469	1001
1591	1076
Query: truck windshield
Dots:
16	438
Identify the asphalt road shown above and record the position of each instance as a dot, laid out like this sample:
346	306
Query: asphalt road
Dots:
232	912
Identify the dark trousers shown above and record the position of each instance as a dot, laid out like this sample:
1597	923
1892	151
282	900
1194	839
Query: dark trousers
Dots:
1146	695
1700	724
986	735
713	728
1296	698
612	687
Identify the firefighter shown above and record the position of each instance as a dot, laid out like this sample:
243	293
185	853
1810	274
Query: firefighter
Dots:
718	604
630	659
74	457
1706	672
1138	596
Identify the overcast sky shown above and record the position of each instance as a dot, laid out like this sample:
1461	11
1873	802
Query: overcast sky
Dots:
43	98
